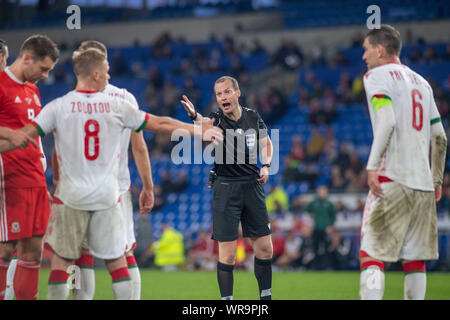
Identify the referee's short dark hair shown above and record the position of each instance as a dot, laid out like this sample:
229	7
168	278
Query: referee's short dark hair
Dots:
40	47
388	37
2	46
233	81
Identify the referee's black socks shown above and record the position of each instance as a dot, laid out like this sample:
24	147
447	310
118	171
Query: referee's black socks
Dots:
225	279
263	274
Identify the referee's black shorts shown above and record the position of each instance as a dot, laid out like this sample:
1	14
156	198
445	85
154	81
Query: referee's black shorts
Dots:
239	199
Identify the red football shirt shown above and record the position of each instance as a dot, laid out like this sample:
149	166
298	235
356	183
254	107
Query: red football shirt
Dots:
19	103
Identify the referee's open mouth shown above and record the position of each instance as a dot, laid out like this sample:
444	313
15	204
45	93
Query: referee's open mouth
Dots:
226	106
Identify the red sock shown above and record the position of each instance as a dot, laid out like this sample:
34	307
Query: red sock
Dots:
120	274
86	261
58	277
131	261
26	280
3	270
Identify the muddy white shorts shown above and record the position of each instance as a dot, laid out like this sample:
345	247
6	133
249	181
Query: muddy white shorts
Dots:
104	232
126	205
400	225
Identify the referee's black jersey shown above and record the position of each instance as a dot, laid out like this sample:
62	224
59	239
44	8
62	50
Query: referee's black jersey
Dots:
239	157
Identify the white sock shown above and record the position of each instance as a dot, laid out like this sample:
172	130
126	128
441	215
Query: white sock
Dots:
57	292
9	292
121	284
371	285
122	290
415	285
87	287
136	280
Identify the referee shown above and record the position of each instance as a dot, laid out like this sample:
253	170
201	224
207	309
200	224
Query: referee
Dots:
238	195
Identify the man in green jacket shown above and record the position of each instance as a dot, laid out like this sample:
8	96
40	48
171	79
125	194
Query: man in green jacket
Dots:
324	213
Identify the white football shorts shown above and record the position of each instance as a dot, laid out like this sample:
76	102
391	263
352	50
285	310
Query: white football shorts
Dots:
400	225
103	230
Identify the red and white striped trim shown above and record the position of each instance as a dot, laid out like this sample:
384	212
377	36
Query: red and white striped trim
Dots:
29	264
3	219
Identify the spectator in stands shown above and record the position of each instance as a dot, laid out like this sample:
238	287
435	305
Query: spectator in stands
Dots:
185	68
344	89
343	158
203	254
168	251
324	213
337	182
161	47
119	65
339	59
277	196
430	55
290	171
257	47
298	151
289	258
316	113
191	90
303	97
288	55
155	77
236	68
315	145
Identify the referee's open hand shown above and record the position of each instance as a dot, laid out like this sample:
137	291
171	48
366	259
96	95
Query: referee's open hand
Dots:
263	175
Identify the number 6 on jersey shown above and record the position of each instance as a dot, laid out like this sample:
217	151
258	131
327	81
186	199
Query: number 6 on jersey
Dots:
91	130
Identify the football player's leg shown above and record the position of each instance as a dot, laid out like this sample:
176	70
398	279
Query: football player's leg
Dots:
371	284
6	253
57	281
135	274
415	282
87	274
9	292
121	280
26	278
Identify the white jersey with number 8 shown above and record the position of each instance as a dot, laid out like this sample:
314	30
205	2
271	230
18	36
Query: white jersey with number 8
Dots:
406	160
88	127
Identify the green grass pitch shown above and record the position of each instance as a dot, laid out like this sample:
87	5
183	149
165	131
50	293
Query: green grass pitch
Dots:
183	285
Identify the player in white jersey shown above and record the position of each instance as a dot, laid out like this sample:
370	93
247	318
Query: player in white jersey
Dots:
87	125
399	220
146	198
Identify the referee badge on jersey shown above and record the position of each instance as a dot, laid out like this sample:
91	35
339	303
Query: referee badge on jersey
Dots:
250	140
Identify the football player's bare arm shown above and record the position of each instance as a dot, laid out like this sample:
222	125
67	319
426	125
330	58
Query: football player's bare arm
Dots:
142	160
13	139
167	125
438	152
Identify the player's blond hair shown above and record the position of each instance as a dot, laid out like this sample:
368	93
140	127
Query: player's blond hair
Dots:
89	44
85	62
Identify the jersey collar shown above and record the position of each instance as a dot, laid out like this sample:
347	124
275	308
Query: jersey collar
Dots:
87	91
13	77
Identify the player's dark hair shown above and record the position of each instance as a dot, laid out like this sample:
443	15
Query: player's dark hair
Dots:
40	47
89	44
388	37
2	46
